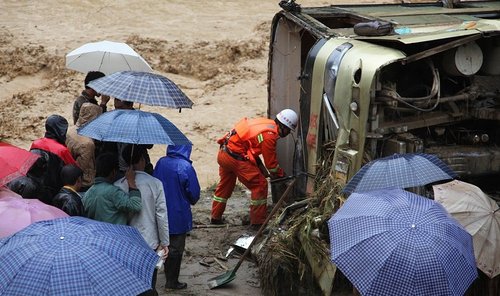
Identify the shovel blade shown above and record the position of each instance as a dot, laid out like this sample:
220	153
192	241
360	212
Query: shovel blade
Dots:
222	279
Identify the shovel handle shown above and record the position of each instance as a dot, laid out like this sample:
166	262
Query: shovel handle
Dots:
277	180
282	179
262	167
261	229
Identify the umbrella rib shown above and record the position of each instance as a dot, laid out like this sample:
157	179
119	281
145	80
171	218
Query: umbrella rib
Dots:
102	60
75	59
485	237
126	61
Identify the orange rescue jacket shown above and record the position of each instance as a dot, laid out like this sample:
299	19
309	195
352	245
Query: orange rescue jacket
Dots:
253	137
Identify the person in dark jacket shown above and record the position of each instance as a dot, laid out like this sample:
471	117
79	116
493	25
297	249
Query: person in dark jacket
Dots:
182	190
68	199
54	143
31	185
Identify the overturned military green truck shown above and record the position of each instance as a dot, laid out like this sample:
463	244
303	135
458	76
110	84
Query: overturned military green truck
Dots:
381	79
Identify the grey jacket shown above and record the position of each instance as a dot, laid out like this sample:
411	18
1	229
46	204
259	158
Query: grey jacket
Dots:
152	219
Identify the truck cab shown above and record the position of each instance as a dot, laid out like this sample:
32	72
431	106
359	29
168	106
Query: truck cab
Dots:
372	80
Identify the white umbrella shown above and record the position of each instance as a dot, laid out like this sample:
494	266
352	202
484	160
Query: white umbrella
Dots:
107	57
479	215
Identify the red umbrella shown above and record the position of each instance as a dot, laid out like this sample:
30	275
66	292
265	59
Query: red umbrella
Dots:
18	213
14	162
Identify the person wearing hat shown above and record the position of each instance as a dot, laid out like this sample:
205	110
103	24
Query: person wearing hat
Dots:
54	145
89	95
239	159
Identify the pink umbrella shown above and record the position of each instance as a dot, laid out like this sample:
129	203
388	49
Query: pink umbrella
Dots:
18	213
6	193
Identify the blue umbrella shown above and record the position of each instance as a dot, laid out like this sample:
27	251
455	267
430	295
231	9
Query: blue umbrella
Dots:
399	171
135	127
142	87
394	242
76	256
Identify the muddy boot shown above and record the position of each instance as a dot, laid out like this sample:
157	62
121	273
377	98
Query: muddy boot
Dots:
172	270
217	221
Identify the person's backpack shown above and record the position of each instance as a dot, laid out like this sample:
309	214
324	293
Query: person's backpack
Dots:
373	28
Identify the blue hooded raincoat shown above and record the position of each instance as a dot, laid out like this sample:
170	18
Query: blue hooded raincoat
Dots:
181	187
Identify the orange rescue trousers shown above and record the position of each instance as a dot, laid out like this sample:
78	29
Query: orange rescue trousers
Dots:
247	173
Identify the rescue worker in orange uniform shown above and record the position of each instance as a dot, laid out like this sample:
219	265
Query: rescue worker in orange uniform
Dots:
238	156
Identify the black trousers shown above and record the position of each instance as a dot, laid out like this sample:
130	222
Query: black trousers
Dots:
174	260
177	245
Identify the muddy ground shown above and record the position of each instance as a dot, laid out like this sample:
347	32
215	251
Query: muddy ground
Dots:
207	248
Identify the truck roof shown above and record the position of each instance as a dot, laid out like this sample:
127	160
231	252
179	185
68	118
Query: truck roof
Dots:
411	22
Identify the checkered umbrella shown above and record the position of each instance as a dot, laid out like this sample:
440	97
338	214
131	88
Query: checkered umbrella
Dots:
135	127
399	171
76	256
142	87
394	242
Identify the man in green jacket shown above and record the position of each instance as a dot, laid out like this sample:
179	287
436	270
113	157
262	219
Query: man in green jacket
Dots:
106	202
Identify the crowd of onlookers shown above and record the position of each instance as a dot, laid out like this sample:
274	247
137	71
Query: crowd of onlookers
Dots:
114	182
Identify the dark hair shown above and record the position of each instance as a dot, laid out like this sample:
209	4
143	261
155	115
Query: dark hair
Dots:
128	103
92	75
105	164
70	174
133	156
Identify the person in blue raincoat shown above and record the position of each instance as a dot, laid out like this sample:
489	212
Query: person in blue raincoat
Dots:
182	190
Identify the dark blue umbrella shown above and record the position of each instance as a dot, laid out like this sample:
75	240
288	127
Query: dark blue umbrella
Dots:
394	242
135	127
399	171
75	256
142	87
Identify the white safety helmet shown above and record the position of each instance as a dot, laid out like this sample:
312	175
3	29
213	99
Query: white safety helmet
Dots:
288	117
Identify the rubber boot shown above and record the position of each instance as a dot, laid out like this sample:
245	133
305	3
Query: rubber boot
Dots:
172	270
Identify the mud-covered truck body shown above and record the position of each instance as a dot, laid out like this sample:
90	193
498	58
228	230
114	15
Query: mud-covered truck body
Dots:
392	78
369	81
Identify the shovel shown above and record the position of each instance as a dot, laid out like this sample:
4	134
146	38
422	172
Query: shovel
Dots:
230	275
